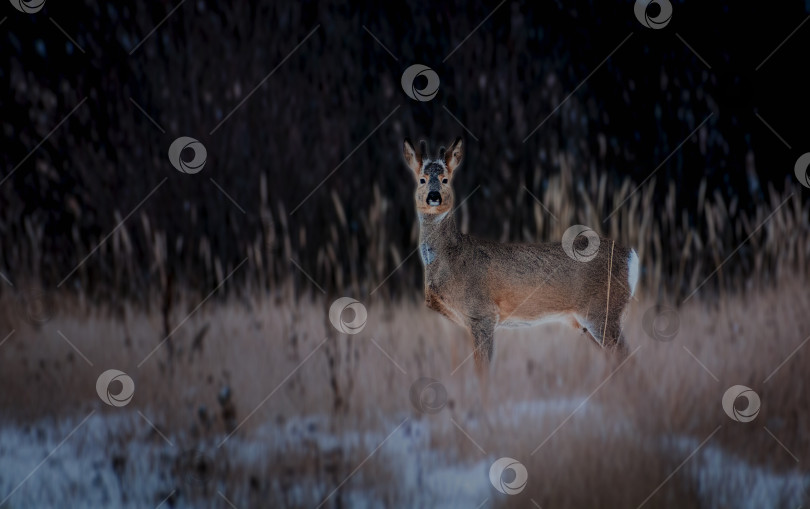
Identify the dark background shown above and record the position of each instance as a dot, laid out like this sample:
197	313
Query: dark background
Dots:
331	94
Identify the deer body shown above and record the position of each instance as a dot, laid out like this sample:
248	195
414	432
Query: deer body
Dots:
483	285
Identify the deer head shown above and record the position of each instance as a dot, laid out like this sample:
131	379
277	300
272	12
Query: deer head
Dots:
434	195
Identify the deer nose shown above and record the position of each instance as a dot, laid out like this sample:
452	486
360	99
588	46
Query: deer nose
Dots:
434	198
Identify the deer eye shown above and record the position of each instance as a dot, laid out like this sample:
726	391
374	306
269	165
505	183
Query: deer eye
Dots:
421	181
444	181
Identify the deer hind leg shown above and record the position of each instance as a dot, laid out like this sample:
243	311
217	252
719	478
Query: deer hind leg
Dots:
618	346
606	330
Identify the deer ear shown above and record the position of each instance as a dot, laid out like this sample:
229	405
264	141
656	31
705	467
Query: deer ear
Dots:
412	159
454	155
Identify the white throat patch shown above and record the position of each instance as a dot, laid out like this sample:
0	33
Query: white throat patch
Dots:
427	254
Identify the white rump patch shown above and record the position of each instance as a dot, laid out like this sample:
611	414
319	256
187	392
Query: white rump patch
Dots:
632	271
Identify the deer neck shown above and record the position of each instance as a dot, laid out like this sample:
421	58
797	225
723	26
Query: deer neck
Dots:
436	233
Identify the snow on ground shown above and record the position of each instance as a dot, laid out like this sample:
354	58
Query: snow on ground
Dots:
725	480
117	460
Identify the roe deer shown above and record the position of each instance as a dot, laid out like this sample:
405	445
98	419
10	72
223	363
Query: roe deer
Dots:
482	285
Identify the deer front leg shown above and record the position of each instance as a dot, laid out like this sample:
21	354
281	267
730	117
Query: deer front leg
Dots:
483	332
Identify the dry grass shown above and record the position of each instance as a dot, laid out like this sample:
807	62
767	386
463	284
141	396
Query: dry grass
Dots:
611	449
361	251
708	196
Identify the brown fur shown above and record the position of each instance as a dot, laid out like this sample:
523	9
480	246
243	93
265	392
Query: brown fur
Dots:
482	285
